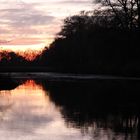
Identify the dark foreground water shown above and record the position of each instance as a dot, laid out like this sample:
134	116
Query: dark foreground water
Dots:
46	110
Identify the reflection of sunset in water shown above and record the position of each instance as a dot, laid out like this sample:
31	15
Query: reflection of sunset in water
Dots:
27	112
40	110
29	94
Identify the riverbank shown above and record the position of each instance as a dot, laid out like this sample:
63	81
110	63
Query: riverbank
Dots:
52	76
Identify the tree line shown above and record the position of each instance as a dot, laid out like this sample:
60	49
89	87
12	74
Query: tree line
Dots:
94	42
101	41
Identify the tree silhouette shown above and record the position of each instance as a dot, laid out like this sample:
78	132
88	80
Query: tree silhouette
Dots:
11	59
130	12
93	42
99	42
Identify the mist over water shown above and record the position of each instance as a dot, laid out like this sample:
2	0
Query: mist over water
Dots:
95	110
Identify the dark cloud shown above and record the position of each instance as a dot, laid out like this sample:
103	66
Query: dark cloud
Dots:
24	17
36	17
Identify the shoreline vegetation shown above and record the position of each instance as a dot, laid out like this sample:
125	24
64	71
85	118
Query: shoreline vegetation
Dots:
93	42
63	77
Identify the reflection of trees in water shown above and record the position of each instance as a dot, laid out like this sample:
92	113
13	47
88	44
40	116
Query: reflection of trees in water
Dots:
7	83
99	104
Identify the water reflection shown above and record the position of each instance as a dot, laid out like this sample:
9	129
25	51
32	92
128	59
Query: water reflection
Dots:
102	109
31	115
97	110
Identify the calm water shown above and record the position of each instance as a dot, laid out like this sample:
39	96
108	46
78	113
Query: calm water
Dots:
43	110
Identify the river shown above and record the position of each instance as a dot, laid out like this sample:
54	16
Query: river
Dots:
37	109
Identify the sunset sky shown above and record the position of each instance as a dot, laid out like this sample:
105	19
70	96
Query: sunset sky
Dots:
34	23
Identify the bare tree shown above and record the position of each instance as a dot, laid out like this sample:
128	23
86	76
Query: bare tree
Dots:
126	11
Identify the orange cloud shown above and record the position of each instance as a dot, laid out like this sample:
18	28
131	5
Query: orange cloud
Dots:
24	41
